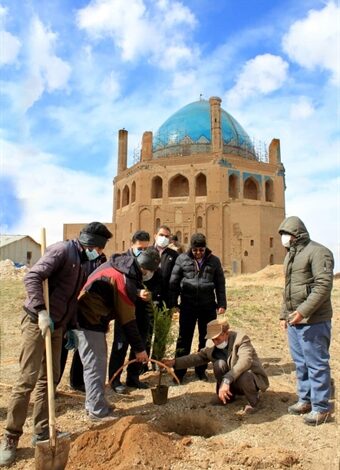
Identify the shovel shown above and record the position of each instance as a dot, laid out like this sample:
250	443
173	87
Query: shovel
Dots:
51	454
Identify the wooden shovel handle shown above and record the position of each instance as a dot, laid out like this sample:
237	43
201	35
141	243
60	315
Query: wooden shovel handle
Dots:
49	361
168	369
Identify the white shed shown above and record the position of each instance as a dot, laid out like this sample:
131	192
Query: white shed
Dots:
21	249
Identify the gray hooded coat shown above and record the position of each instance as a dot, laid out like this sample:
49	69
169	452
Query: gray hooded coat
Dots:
308	275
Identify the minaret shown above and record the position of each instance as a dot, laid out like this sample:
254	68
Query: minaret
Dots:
216	125
274	151
146	146
122	150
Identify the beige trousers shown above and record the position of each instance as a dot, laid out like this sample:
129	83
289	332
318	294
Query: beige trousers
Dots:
32	374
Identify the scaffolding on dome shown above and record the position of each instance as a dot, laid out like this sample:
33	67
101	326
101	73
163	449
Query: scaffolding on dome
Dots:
166	145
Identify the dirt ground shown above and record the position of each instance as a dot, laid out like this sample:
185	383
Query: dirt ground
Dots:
188	432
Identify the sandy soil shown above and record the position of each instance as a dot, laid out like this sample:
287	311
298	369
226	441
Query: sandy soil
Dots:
188	432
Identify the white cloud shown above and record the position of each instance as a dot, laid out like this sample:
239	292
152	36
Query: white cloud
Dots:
261	75
53	195
9	48
314	41
47	72
158	32
9	44
301	109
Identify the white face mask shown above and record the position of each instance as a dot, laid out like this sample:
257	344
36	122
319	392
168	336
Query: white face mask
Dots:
285	240
162	241
222	345
91	254
147	276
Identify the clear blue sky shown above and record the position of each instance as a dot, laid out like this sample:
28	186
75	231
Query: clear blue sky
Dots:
73	73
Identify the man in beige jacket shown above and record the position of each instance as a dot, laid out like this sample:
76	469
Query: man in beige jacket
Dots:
237	368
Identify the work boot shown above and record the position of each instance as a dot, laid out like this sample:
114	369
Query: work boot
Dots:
8	449
118	387
103	419
45	435
314	418
202	376
299	408
133	383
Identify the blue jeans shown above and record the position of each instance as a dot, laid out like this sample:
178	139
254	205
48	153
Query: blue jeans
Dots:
309	347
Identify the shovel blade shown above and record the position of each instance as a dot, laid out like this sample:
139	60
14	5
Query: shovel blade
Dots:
52	458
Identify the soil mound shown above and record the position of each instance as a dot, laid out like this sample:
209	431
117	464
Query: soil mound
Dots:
270	275
8	270
261	457
127	443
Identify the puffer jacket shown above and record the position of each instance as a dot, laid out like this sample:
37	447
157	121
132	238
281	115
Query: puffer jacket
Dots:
66	267
308	275
198	285
240	356
110	293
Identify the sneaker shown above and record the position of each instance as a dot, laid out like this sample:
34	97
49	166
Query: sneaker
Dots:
137	384
299	408
249	409
103	419
45	435
314	418
119	388
8	449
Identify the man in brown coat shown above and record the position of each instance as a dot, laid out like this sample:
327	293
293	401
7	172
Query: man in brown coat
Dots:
236	366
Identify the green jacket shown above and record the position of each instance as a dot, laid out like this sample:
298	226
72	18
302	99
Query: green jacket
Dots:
308	270
241	356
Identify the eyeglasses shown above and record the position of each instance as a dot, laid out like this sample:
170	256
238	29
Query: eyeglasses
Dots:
198	250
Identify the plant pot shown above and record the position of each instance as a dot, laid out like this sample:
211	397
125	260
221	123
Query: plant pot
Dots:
160	394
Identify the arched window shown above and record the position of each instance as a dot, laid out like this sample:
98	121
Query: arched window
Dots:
156	187
178	186
179	236
233	186
133	192
157	224
269	190
125	196
201	185
245	253
250	189
271	259
199	222
118	199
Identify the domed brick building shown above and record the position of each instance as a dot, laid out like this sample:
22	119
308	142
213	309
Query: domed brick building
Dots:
200	172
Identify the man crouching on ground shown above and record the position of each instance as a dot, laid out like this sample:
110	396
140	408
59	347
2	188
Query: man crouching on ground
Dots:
237	368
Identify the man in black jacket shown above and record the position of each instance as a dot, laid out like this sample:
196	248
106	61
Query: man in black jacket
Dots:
146	289
198	279
168	259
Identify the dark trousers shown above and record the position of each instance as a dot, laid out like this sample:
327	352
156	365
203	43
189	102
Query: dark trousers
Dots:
189	316
244	385
120	346
76	371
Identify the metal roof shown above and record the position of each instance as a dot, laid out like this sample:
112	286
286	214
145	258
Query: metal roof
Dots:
8	239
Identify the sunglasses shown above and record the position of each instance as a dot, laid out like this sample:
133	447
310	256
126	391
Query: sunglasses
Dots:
198	250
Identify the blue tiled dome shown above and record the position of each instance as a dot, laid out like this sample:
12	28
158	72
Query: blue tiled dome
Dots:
191	124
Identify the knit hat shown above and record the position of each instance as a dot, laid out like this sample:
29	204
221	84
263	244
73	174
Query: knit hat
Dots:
94	234
198	240
149	259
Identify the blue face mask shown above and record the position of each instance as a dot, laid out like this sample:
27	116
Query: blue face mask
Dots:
91	254
137	251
